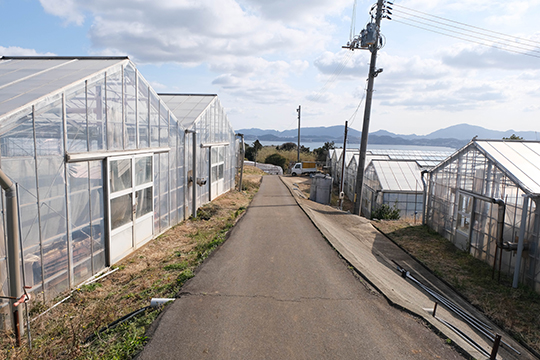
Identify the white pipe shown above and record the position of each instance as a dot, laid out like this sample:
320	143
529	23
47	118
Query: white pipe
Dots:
157	302
521	240
13	250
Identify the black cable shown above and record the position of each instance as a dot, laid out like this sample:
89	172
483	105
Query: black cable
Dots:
472	36
116	323
469	40
464	24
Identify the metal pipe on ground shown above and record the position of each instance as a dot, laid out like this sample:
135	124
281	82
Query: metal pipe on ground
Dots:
478	325
13	251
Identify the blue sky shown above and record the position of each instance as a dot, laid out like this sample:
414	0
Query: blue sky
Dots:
264	58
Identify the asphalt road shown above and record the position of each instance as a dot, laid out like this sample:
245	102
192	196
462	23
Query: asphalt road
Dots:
277	290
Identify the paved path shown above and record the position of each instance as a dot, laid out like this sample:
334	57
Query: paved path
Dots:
277	290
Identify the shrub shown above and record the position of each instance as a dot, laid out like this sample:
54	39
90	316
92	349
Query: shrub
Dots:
276	159
385	212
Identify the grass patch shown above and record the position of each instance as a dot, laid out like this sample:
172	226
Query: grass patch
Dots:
159	269
515	310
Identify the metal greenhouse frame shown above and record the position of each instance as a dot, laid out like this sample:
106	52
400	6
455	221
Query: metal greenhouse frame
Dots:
102	164
484	199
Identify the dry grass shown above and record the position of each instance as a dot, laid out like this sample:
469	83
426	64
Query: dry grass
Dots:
515	310
159	269
291	155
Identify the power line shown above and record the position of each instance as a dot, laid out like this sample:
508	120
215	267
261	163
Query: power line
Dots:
353	116
487	36
534	50
469	40
464	24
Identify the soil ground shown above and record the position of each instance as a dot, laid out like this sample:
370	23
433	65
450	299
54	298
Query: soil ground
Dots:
517	311
157	270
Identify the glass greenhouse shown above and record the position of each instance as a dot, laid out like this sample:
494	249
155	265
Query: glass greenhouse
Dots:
394	183
485	184
406	202
102	164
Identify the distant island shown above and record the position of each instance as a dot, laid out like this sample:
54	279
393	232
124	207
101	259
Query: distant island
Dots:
455	136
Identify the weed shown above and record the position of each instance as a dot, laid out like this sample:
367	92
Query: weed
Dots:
178	266
90	287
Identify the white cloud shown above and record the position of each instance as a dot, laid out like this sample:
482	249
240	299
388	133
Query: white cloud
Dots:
66	9
18	51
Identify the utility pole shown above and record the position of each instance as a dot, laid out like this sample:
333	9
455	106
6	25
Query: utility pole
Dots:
343	166
242	155
373	72
298	110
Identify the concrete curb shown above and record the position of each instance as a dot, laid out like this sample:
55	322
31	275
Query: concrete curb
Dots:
361	245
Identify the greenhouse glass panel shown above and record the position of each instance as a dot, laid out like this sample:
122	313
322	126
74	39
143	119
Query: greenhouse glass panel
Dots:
163	126
49	124
156	193
143	170
130	107
53	218
144	201
97	132
164	191
81	243
142	110
120	175
121	211
77	138
154	120
114	111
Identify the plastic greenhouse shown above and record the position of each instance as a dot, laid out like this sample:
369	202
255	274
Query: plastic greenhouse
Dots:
393	183
101	164
484	199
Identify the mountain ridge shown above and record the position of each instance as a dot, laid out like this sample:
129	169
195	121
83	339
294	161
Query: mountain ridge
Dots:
454	136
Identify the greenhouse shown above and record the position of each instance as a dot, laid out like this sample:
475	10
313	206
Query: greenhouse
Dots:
484	199
424	159
101	164
394	183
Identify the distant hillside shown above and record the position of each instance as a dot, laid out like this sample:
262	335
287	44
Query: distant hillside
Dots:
454	136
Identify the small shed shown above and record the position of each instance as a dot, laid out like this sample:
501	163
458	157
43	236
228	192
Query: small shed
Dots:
484	199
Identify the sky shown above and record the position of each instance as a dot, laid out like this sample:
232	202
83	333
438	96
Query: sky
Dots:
264	58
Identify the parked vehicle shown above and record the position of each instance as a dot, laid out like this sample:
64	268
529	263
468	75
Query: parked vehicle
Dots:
304	167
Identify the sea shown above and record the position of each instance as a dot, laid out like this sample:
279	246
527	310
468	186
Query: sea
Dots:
315	145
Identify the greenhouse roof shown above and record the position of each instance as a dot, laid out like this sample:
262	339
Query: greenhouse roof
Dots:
25	80
398	176
187	107
521	159
424	158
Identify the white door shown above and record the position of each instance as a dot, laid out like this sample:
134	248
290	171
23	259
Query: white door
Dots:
131	206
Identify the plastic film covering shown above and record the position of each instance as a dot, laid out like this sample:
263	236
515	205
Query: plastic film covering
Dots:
78	106
468	220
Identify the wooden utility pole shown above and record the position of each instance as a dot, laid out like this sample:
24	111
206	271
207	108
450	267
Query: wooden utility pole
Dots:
367	112
298	110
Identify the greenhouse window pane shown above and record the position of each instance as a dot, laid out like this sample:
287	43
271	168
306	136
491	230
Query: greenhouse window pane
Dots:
129	106
49	123
120	175
142	110
114	111
121	211
77	140
144	201
96	116
154	120
81	243
143	170
17	136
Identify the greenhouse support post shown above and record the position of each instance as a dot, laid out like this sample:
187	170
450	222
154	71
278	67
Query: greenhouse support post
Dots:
13	255
522	228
